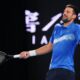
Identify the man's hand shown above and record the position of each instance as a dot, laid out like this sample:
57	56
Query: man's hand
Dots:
24	55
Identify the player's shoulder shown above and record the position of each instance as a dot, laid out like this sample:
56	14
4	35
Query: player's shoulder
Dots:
57	25
77	26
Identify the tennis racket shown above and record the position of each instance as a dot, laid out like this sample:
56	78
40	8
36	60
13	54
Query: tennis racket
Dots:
5	57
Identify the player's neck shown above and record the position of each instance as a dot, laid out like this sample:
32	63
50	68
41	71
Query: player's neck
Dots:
66	24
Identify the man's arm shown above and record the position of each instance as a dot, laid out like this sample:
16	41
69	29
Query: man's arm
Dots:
40	51
44	49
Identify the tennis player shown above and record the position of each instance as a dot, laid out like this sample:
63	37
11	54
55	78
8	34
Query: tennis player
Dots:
62	43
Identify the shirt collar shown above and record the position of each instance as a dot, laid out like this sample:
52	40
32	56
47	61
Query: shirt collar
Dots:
69	26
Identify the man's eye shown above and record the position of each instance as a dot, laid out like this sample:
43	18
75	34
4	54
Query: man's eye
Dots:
68	12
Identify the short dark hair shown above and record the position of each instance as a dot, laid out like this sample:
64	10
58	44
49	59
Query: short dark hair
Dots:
73	7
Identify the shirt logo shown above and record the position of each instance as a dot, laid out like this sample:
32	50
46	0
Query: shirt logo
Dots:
65	37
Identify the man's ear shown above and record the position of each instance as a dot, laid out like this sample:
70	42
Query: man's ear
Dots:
74	16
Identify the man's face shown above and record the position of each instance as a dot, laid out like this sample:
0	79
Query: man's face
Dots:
68	15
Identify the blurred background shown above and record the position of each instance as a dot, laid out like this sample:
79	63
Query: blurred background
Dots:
26	25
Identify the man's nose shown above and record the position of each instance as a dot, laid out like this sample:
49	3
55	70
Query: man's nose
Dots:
65	13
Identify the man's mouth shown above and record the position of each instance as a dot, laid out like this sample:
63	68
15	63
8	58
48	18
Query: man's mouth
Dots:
64	16
65	19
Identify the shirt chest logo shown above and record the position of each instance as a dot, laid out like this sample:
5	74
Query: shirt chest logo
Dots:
68	37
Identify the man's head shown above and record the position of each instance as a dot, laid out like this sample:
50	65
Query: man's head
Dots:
69	14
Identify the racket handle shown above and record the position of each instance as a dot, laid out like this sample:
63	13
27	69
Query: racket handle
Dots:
16	56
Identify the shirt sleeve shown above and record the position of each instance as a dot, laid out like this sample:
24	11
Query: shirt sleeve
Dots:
55	29
78	34
52	37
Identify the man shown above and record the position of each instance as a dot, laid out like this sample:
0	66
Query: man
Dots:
62	43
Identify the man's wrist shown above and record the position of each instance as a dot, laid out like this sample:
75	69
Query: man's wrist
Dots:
32	53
